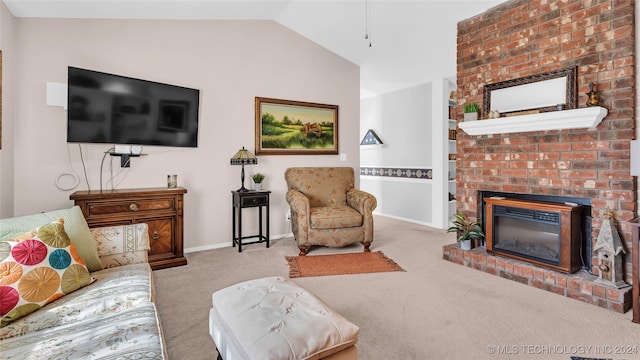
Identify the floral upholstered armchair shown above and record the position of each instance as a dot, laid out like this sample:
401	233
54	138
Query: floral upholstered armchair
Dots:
326	209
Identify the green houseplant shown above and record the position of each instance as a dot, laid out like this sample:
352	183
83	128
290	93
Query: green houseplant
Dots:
471	111
465	231
257	181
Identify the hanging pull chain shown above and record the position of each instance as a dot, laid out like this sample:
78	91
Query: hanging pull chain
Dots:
366	21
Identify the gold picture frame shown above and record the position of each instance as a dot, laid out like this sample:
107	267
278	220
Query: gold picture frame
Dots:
286	127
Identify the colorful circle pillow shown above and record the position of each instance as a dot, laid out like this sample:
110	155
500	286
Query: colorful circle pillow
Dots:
37	268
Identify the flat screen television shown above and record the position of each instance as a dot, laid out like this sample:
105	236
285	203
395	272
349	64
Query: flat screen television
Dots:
113	109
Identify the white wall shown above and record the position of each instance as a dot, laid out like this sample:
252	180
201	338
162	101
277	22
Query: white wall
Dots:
6	153
402	119
231	62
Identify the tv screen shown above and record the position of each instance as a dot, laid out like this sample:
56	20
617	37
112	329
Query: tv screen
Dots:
113	109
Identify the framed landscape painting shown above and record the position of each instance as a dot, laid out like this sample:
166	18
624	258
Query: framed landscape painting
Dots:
285	127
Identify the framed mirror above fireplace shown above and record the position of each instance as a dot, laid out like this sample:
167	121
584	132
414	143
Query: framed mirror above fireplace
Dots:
549	91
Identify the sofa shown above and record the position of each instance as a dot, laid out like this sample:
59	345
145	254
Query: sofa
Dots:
326	208
111	314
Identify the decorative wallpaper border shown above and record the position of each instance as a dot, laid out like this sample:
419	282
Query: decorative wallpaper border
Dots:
426	174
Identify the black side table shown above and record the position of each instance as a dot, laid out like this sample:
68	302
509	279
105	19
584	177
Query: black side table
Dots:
249	199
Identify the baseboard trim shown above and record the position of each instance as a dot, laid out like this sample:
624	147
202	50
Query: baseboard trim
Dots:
405	219
229	244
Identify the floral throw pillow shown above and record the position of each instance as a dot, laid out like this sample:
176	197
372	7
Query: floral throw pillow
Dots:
37	268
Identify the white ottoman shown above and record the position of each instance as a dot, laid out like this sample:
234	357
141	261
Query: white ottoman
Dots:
273	318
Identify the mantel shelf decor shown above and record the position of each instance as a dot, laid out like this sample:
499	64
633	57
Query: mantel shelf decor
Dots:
583	118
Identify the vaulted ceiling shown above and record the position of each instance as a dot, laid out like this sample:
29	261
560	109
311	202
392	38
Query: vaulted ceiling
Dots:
412	42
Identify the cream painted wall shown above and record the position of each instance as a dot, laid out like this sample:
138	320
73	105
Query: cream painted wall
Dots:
6	153
231	62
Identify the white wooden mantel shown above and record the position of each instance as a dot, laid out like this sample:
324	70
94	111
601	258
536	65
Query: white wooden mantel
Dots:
584	118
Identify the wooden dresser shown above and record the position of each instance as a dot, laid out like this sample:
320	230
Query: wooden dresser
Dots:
160	208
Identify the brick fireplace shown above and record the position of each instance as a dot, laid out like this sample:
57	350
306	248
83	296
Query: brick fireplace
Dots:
521	38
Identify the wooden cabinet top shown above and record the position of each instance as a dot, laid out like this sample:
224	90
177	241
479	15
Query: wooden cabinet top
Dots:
121	193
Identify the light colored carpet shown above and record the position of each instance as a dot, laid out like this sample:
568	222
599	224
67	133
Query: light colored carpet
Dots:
434	310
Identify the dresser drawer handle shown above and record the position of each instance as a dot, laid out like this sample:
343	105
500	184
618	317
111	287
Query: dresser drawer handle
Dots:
133	207
155	235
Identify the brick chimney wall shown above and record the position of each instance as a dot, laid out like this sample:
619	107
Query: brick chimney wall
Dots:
527	37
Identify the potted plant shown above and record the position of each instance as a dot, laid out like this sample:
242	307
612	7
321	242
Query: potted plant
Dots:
257	181
471	111
466	231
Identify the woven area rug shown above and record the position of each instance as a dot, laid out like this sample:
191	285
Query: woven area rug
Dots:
340	264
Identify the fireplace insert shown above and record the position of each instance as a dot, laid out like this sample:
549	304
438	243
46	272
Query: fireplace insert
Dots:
586	246
542	233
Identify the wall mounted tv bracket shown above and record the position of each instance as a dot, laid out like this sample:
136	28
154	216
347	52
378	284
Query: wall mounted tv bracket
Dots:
126	152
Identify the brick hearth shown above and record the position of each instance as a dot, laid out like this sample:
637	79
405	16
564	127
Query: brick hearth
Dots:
580	286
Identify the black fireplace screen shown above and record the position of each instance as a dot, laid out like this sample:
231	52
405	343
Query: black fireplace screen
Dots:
528	233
